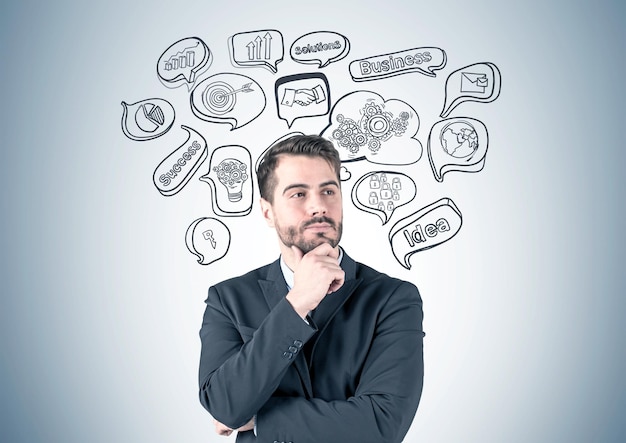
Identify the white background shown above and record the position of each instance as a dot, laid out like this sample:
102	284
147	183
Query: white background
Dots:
102	301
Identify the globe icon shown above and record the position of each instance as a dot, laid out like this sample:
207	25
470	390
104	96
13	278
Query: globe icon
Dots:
459	139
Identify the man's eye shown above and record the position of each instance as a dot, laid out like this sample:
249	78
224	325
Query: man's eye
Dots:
298	195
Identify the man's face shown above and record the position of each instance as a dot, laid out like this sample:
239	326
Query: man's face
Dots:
307	209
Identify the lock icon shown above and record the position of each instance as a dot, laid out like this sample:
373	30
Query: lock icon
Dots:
395	196
374	183
383	177
390	207
373	198
385	192
381	206
396	184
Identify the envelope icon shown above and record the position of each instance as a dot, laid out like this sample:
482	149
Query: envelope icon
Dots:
475	83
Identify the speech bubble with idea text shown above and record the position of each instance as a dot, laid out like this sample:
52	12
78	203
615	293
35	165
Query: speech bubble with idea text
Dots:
430	226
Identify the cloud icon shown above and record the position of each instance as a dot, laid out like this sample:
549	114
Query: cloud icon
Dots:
457	144
320	48
228	98
382	192
183	62
208	239
363	125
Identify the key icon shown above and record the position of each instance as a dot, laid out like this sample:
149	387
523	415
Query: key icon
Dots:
208	235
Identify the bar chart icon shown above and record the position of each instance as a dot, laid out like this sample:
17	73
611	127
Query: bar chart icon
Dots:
181	60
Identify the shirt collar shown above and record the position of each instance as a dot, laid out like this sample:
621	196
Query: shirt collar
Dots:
288	273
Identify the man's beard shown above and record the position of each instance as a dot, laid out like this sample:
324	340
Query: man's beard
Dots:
292	236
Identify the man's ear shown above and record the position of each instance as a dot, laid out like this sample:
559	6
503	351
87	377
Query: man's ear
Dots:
267	211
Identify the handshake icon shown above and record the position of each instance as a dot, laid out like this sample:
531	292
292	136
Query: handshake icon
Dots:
303	97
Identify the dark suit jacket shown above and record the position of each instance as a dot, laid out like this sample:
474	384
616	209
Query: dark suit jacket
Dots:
354	374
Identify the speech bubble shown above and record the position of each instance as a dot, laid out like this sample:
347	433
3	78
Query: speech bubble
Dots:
230	179
382	192
429	227
175	171
228	98
479	82
183	62
208	239
302	95
424	60
457	144
147	119
320	48
263	48
363	125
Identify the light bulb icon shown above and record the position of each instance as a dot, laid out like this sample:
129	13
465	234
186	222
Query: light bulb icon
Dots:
232	174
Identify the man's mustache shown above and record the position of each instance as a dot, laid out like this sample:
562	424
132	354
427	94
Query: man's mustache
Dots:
322	219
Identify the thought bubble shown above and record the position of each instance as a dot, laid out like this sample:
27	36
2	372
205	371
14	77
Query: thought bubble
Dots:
302	95
257	48
208	239
363	125
457	144
425	229
228	98
183	62
382	192
147	119
424	60
230	179
175	171
479	82
320	48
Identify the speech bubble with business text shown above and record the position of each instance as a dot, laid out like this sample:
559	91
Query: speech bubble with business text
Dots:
480	82
457	144
208	239
228	98
320	48
363	125
183	62
429	227
302	95
382	192
264	48
425	60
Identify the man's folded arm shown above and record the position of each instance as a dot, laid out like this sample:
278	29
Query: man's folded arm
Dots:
236	379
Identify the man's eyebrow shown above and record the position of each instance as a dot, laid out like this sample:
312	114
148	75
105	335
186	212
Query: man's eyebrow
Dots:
305	186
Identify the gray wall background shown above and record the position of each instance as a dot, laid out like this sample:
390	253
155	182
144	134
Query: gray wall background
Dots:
102	302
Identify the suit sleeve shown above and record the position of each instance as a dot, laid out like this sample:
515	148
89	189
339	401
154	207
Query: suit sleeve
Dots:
237	379
387	395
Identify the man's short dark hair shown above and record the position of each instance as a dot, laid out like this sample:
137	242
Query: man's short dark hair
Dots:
307	145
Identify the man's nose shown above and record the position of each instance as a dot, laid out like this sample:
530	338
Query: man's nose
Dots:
316	205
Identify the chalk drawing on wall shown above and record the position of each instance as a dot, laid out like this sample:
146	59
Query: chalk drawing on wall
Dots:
363	125
175	171
382	192
264	48
228	98
147	119
429	227
208	239
457	144
302	95
230	179
319	48
425	60
480	82
183	62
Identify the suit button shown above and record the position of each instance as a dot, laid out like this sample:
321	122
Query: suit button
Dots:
287	355
298	343
293	349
